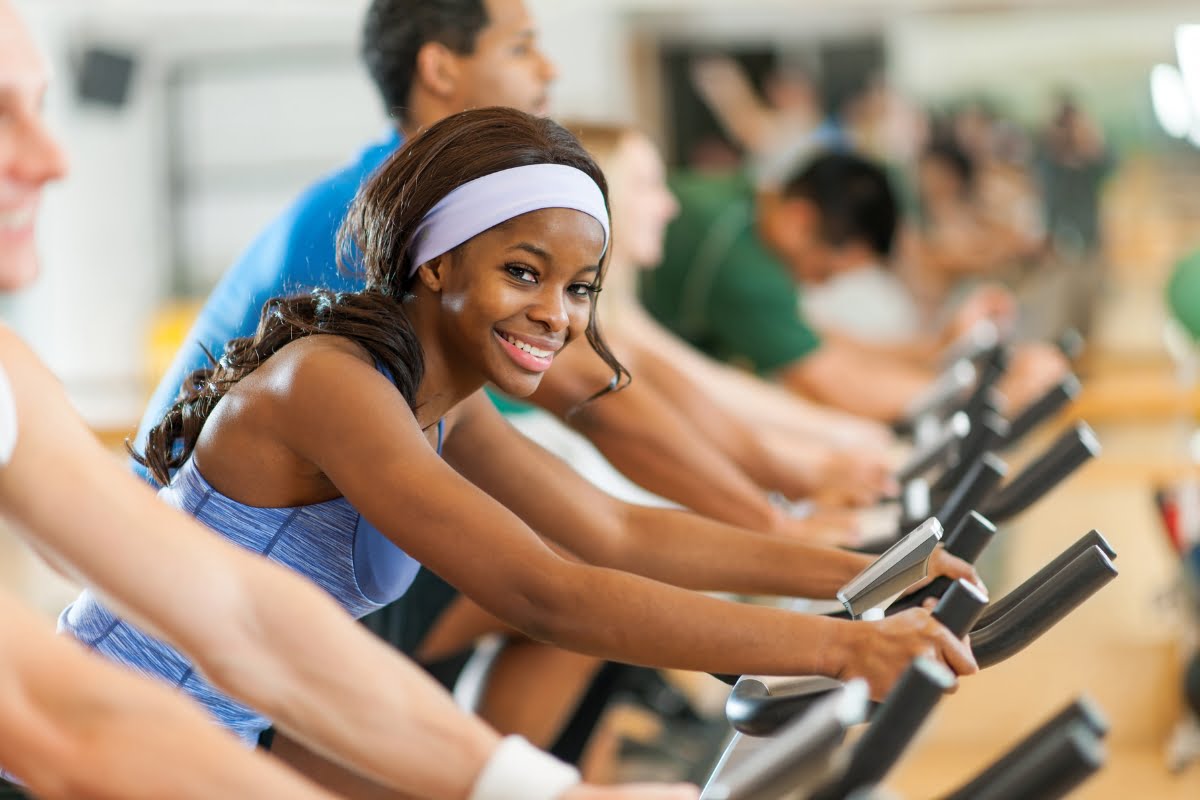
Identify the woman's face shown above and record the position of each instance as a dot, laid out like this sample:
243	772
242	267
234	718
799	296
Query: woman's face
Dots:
516	294
641	202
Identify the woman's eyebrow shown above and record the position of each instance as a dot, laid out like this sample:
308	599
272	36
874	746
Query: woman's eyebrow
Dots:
532	249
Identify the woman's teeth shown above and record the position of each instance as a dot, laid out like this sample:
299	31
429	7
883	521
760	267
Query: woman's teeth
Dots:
528	348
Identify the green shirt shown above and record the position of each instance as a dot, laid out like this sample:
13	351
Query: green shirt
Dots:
507	406
719	287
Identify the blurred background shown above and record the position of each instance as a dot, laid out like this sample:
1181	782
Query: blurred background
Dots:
1053	145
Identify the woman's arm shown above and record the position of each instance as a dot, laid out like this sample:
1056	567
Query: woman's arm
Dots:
653	444
349	421
260	632
74	725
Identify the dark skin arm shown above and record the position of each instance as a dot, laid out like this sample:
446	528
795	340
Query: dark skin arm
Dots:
347	427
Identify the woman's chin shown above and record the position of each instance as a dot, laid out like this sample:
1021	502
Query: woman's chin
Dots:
519	386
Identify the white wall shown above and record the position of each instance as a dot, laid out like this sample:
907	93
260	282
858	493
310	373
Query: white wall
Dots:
106	254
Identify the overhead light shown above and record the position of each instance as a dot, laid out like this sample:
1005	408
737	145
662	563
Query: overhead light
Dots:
1187	51
1172	105
1175	91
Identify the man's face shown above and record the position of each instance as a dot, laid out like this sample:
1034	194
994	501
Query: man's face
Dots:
29	157
793	232
507	68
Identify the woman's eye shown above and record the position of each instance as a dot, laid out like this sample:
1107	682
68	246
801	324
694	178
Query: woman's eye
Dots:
523	274
583	289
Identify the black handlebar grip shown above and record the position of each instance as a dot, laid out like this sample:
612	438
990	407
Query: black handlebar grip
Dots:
1048	767
1071	450
1040	410
1043	608
976	485
969	537
959	607
987	434
1092	538
892	728
1079	712
939	588
995	364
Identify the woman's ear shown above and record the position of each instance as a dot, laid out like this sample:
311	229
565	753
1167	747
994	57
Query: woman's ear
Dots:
432	274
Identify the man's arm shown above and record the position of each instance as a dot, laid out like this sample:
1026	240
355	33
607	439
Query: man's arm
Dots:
856	381
78	726
650	442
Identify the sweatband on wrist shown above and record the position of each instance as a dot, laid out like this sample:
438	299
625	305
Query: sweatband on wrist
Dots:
484	203
519	771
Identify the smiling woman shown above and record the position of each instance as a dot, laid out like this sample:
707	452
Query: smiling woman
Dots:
349	439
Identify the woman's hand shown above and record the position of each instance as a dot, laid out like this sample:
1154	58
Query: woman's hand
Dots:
855	479
881	651
942	563
634	791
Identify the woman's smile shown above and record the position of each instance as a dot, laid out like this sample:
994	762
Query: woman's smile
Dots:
529	353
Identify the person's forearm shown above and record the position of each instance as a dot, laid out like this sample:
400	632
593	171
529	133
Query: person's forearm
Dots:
740	440
753	399
77	726
670	458
348	695
697	553
857	383
679	629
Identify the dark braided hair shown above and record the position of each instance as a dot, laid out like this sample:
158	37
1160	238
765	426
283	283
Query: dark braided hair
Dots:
375	240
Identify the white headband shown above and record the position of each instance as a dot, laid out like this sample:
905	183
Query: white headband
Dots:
485	202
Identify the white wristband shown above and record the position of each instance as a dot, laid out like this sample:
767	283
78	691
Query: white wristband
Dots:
519	771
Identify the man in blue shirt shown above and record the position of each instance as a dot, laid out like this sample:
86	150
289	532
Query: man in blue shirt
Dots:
429	59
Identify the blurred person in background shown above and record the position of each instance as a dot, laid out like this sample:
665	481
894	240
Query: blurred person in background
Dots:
735	260
775	128
1073	162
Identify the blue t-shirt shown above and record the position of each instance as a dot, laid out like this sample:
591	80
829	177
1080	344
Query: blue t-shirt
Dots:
297	252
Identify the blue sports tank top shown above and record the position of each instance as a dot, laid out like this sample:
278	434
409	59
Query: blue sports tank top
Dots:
330	543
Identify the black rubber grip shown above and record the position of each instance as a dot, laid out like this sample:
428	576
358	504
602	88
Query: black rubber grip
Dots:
1043	608
1070	451
1042	409
1002	606
968	539
1048	767
975	487
959	607
1080	711
987	434
892	728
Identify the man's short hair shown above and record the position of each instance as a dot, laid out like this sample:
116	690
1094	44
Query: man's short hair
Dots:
395	30
854	198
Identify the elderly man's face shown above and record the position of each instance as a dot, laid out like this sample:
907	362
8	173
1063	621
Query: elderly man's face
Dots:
29	157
